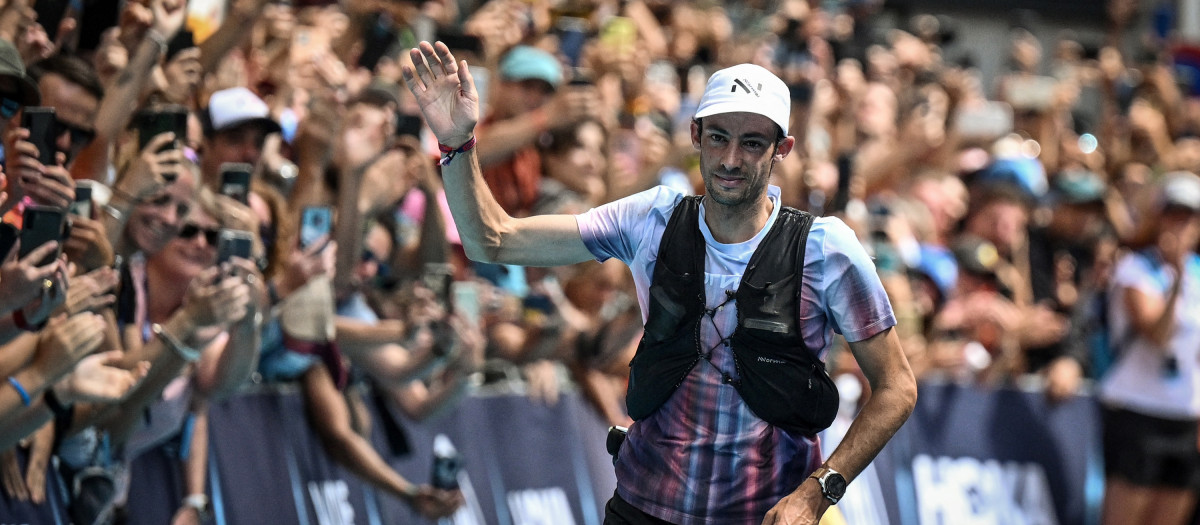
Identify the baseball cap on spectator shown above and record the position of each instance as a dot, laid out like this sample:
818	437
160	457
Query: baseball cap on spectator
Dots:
12	67
938	264
1181	190
531	63
1078	187
233	107
1026	173
747	88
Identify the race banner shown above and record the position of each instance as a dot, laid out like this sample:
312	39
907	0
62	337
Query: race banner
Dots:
970	455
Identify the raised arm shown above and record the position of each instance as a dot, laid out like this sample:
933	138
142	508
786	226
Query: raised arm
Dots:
446	93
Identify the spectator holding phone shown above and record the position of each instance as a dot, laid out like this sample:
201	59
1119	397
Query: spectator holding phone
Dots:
203	324
1150	404
528	100
236	125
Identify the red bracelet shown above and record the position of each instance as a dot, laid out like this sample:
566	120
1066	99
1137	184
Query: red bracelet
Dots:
448	153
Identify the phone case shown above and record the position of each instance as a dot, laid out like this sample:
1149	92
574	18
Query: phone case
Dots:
42	126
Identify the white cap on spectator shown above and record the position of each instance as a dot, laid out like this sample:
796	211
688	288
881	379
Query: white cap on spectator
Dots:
1181	189
750	89
233	107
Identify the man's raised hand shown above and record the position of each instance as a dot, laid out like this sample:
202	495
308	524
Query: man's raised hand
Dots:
445	91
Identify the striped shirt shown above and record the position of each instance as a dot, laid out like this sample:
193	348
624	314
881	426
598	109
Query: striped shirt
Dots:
704	457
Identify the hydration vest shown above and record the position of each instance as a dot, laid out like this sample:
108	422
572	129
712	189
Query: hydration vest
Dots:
780	380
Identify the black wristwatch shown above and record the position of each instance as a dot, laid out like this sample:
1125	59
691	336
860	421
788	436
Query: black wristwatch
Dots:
833	484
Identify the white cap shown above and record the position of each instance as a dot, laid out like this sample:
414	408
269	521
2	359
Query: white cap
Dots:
747	88
1181	189
235	106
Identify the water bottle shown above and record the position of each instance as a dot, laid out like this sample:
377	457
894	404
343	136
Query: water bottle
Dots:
446	463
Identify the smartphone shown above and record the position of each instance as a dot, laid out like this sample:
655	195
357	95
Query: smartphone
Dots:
1034	93
171	118
482	82
439	277
572	36
991	120
8	238
235	181
460	43
234	243
315	221
308	43
627	151
43	131
40	225
408	125
465	295
378	40
82	206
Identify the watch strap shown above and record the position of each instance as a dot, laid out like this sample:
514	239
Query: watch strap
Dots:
822	476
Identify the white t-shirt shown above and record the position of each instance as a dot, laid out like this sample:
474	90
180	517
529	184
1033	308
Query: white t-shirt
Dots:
1141	380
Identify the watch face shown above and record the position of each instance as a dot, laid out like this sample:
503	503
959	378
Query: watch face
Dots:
835	485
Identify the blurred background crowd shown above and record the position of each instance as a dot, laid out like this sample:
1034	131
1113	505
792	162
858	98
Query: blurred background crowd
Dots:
1030	202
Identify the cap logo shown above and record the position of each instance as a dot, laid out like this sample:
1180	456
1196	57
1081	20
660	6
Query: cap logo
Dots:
750	90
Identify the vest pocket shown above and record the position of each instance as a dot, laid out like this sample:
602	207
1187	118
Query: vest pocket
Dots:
668	305
786	386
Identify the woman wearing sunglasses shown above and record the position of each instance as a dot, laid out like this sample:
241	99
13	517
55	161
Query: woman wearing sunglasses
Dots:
196	322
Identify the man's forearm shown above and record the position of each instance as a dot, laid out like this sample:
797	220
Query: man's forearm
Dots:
352	332
476	213
506	137
880	418
893	396
233	31
17	426
114	112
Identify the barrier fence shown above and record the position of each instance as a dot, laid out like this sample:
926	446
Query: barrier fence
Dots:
966	456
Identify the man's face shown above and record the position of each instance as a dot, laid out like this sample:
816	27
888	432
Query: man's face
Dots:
737	151
365	132
377	247
241	143
1001	222
513	97
74	107
182	74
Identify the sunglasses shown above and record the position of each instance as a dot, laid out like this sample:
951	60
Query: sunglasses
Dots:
79	137
8	106
382	268
189	231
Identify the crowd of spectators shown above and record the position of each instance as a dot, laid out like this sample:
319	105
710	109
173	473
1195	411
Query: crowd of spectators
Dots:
998	215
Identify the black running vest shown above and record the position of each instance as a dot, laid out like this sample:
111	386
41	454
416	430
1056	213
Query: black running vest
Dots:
778	377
